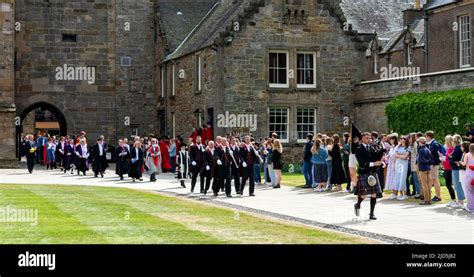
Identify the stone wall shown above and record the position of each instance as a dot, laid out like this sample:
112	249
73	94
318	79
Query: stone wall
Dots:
372	97
105	31
41	48
7	106
135	92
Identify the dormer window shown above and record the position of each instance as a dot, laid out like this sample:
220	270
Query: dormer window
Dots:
409	54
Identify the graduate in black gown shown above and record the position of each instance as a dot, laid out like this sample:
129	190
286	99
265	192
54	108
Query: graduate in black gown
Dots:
136	161
122	157
338	176
249	157
182	161
83	156
69	156
30	152
99	159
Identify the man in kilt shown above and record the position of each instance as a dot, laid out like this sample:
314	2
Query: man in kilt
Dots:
368	183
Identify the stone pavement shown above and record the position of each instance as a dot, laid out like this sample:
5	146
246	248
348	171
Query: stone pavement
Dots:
398	222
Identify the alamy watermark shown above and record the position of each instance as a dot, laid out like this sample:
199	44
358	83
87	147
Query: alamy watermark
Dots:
10	214
400	72
75	73
231	120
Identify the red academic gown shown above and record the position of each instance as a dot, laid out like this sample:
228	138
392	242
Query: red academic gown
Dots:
165	155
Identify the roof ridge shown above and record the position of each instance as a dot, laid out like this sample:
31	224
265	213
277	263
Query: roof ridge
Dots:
194	29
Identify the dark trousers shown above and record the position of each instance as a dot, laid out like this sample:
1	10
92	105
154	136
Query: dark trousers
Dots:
235	174
222	181
30	162
448	177
247	174
348	174
195	173
208	183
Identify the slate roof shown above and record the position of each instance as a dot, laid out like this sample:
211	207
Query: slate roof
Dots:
384	17
216	21
438	3
179	17
367	16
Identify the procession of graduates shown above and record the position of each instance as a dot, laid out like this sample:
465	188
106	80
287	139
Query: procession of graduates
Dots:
214	163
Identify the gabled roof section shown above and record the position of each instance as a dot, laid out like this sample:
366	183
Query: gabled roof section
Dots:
177	18
415	31
216	21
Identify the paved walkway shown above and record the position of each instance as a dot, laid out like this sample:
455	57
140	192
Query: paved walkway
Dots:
398	222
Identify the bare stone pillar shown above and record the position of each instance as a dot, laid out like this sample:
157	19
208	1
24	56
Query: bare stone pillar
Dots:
7	102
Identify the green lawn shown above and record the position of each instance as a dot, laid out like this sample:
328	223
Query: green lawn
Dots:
297	180
99	215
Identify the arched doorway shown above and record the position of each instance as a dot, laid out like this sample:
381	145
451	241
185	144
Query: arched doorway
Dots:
40	118
43	117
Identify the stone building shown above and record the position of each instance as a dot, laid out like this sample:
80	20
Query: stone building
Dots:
435	43
126	67
291	64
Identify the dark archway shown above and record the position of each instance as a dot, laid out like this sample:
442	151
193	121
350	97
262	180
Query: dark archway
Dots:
51	108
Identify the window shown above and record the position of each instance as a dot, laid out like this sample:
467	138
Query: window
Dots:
278	123
134	130
69	38
278	69
409	55
125	61
173	80
163	82
198	74
173	118
306	123
375	62
465	41
306	70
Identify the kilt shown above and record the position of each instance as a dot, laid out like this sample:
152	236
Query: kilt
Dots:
363	188
320	173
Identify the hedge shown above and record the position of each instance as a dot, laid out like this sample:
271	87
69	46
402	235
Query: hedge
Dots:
444	112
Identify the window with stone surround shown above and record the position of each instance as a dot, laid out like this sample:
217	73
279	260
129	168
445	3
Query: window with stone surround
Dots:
305	122
173	80
278	119
197	73
278	62
465	41
306	70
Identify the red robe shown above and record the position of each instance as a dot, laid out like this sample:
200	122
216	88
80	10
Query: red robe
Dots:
165	155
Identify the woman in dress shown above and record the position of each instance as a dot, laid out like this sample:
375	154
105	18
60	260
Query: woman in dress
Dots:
468	178
338	176
455	161
328	146
448	177
51	153
277	163
391	168
402	155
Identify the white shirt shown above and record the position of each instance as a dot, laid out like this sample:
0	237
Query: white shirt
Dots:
101	149
136	153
